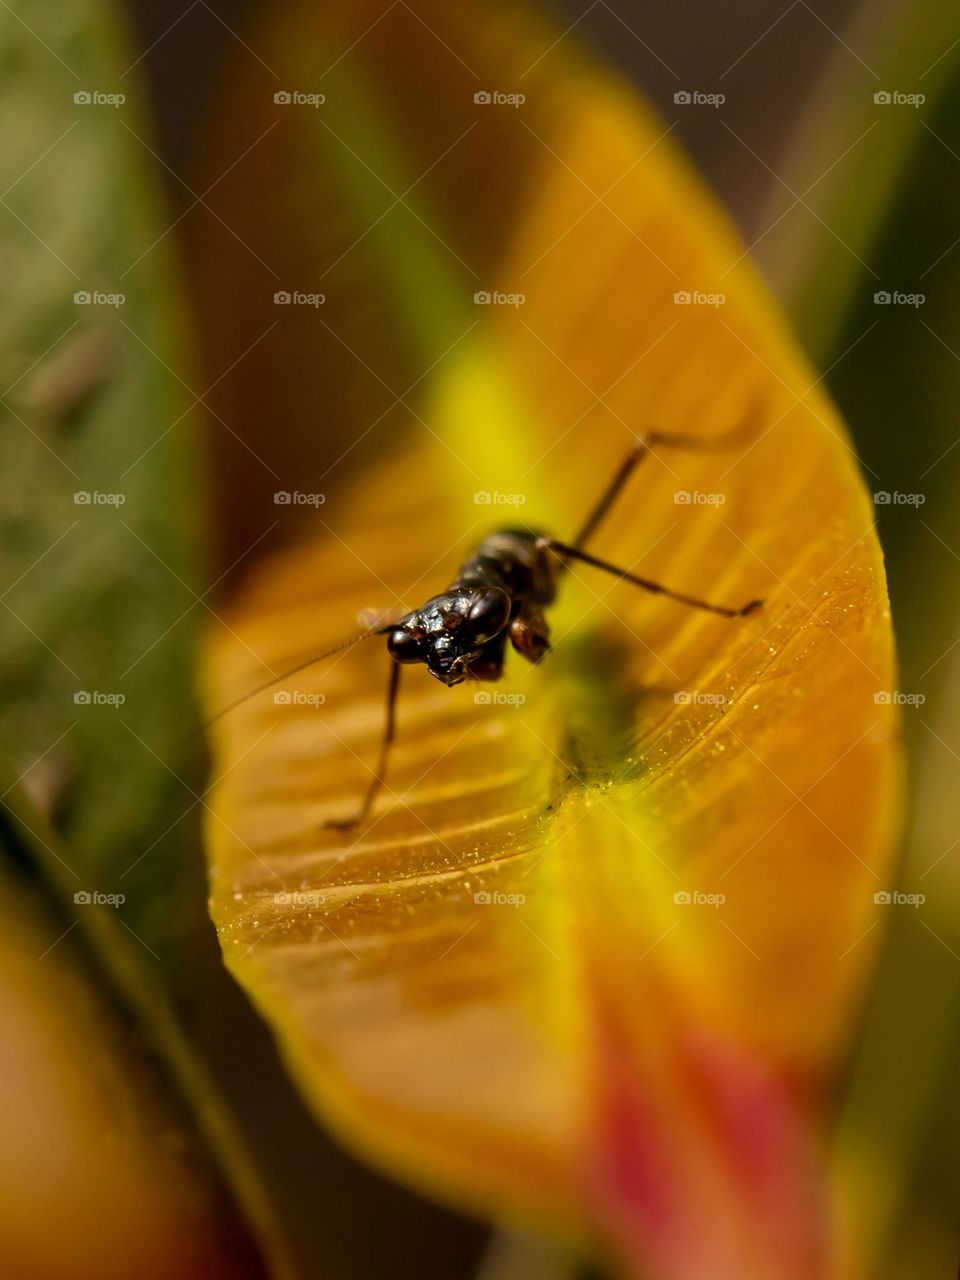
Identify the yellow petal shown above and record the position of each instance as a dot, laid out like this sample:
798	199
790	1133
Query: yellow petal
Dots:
598	950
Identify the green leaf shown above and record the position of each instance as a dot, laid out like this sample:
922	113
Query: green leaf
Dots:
98	602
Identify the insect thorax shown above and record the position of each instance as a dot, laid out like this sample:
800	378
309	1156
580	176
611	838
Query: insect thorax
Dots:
514	560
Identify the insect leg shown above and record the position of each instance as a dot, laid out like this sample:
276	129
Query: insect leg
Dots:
530	633
645	443
379	777
565	553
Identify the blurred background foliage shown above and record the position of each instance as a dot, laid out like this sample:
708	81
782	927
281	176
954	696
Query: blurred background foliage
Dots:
893	371
108	798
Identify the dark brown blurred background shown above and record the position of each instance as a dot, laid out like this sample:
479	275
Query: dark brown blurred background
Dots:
765	55
308	398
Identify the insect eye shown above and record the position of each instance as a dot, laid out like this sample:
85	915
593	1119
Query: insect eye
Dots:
489	614
403	647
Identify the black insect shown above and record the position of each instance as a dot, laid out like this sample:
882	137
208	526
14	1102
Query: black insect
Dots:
500	595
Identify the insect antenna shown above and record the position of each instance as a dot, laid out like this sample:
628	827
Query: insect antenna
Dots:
292	671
